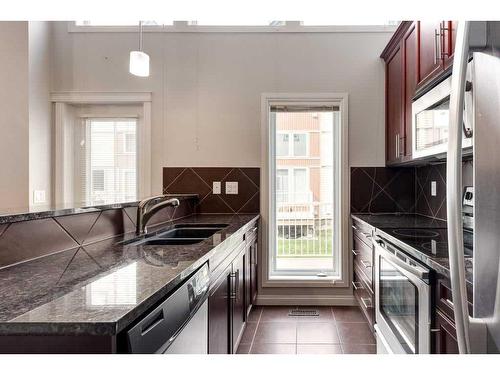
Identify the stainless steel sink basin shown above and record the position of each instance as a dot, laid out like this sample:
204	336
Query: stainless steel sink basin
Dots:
183	234
170	241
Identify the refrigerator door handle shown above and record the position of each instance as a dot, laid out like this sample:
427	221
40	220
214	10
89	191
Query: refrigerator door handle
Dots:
454	187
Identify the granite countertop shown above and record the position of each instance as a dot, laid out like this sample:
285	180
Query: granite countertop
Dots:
15	214
101	288
385	224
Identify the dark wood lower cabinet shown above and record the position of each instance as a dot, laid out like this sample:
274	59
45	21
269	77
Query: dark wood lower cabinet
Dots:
232	296
238	299
444	337
218	314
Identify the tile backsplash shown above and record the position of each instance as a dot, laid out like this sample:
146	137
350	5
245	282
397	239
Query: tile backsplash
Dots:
199	180
29	239
403	189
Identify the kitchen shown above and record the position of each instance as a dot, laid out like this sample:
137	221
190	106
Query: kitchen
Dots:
277	187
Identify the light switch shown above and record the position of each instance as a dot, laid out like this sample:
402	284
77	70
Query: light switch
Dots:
433	188
231	187
216	187
38	196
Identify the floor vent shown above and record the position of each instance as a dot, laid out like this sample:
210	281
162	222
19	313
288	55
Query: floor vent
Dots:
301	312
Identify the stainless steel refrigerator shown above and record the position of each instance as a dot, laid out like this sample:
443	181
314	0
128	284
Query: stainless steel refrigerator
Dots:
481	42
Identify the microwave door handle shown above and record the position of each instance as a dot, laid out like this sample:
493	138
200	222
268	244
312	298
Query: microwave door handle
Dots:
454	187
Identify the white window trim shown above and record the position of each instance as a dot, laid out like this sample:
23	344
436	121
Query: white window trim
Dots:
267	143
64	99
188	27
291	145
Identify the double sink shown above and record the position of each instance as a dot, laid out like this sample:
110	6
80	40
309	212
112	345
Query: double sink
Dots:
182	234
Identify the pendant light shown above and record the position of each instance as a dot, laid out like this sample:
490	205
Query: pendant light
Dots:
139	61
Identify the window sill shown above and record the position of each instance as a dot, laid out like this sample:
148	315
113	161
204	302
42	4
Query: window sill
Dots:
304	282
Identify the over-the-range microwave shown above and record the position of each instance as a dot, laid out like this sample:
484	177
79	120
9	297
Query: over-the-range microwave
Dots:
430	118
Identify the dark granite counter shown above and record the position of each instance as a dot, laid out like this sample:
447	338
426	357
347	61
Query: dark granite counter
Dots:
391	227
100	288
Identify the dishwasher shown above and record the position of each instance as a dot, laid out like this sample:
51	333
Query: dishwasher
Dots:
179	325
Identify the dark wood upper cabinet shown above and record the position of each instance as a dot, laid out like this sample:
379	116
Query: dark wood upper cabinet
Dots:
430	50
410	41
416	56
394	105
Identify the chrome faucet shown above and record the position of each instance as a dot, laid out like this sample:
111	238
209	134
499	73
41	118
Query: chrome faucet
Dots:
148	207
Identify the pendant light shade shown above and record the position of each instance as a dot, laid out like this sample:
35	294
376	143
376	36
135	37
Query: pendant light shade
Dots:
139	61
139	64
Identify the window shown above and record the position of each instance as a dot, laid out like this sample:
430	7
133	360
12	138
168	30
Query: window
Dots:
299	144
305	241
108	160
98	180
286	148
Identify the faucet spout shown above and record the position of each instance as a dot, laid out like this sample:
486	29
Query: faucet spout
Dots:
148	207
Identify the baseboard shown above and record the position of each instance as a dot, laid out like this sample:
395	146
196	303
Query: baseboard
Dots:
269	300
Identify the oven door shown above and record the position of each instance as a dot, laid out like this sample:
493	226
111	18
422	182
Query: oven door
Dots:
430	120
402	309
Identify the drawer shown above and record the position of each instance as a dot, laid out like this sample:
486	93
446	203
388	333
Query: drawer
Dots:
362	231
365	298
444	298
363	258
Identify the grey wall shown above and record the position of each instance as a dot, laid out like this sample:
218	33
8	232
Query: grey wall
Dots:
40	111
207	86
14	143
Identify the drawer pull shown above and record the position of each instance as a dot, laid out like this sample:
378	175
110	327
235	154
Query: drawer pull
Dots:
366	264
367	302
449	302
355	252
355	227
357	285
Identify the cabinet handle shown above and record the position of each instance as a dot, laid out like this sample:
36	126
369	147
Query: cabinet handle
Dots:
437	47
449	302
354	227
355	252
366	264
237	285
397	146
357	285
443	30
435	330
367	302
232	285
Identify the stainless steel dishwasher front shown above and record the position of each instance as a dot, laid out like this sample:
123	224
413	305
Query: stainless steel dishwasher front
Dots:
182	318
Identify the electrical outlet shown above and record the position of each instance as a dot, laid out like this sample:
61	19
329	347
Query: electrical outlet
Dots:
433	188
216	187
38	196
231	187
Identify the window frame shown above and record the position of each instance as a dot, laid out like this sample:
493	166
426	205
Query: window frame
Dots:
193	27
342	279
64	104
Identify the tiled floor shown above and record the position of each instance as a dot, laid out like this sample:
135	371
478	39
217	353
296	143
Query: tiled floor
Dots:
337	330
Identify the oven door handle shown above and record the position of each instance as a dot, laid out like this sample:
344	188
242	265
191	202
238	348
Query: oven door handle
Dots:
420	272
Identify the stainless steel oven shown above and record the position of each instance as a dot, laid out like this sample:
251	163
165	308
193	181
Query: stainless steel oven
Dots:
430	119
402	301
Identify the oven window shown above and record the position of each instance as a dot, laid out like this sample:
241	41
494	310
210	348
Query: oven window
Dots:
432	125
399	305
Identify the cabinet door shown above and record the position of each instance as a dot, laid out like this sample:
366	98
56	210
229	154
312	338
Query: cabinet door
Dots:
444	336
248	282
429	50
410	74
394	105
449	38
253	271
238	299
219	315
